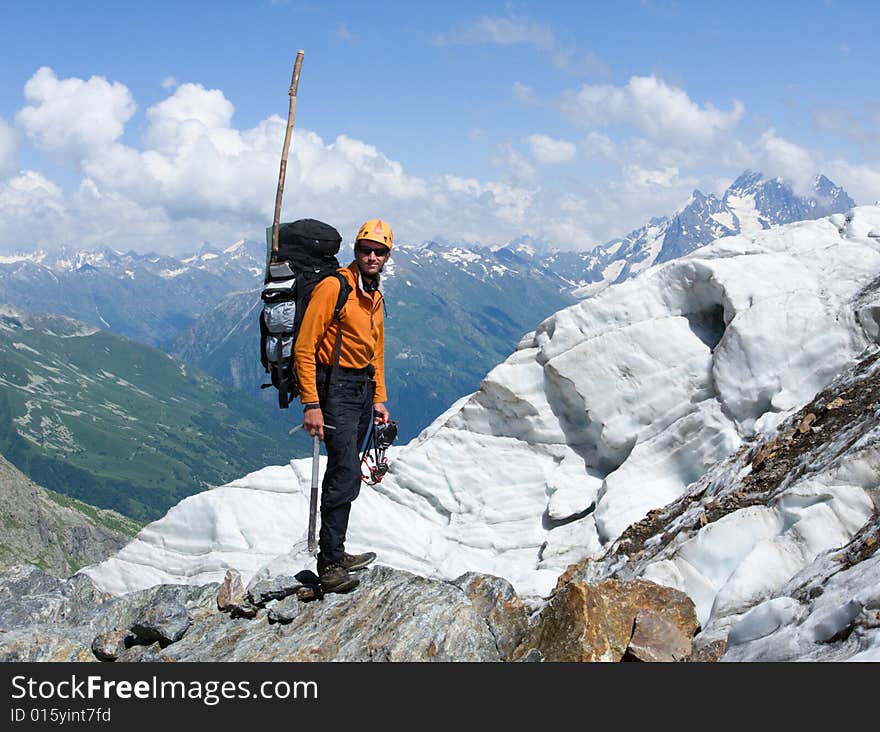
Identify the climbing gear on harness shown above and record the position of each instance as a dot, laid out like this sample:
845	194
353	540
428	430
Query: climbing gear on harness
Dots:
374	464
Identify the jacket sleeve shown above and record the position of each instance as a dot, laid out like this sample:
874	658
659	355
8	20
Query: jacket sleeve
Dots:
378	361
315	322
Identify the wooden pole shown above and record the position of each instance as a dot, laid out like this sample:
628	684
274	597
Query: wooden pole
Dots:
294	84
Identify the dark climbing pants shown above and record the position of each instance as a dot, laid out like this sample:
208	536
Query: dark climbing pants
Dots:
348	407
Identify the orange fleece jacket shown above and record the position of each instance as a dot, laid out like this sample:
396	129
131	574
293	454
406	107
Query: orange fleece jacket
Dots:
363	333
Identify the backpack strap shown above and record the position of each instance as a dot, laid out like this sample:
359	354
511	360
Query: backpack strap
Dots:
344	292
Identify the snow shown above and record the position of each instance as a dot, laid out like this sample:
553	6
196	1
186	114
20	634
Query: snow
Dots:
620	402
745	210
171	273
725	218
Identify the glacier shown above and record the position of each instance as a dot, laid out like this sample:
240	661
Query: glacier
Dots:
608	410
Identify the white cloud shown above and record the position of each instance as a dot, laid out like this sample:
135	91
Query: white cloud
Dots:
643	178
30	207
777	157
8	145
195	177
862	182
598	145
661	112
501	31
169	82
191	112
549	151
524	94
73	116
509	203
518	166
512	30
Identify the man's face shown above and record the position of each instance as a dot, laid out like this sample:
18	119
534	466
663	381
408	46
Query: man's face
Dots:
371	257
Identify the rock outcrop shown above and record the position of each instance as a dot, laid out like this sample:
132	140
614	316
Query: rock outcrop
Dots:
584	622
393	616
56	533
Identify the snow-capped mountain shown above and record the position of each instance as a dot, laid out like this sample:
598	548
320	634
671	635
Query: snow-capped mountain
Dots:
611	410
451	314
751	204
149	298
459	309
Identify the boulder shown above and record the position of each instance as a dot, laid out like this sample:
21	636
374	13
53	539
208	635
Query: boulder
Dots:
656	639
594	622
165	622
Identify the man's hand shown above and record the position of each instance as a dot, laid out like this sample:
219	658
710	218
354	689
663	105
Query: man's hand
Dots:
313	422
380	413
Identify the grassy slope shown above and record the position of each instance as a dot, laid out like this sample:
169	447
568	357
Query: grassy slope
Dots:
123	426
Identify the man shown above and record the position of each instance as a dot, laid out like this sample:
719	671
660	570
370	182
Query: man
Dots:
340	410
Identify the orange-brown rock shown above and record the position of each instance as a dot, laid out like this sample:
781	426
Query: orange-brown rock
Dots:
231	592
594	622
656	639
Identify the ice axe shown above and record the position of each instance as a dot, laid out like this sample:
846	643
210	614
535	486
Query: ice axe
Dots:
313	497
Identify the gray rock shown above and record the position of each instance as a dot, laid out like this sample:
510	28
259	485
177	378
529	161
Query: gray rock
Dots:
495	600
285	611
142	654
533	656
392	616
107	646
56	533
28	595
276	588
244	610
165	622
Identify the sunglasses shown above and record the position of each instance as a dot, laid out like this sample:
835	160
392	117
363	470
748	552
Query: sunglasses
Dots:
367	251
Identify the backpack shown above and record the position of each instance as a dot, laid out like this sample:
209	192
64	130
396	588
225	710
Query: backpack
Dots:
306	255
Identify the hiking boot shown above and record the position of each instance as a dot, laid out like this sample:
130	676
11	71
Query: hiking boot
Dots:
335	578
352	562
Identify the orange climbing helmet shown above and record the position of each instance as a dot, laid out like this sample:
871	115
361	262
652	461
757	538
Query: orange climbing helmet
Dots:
378	231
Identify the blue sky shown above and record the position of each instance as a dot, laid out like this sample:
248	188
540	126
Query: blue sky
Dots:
159	126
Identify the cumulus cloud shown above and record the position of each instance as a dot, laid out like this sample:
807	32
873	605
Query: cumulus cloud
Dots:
598	145
658	110
777	157
8	145
194	176
549	151
74	116
519	167
861	181
30	207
